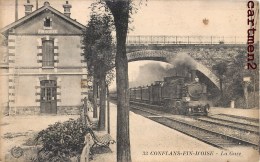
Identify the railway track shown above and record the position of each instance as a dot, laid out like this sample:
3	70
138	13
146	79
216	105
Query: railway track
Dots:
244	124
241	117
248	128
202	130
236	119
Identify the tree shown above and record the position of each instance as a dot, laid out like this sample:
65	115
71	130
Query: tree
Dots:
120	10
98	51
234	82
221	69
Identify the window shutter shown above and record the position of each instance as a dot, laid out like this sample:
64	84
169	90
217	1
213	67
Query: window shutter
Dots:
48	53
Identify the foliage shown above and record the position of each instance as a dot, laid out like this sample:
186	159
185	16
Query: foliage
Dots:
62	140
232	77
235	73
133	7
120	10
98	50
221	68
98	45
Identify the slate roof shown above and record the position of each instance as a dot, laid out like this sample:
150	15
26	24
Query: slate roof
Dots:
37	12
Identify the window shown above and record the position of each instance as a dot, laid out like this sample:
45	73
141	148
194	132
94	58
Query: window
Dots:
48	53
47	23
48	90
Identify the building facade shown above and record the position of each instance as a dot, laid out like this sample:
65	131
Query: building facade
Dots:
45	71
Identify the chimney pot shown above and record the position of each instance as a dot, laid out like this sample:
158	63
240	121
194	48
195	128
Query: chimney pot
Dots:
28	7
67	7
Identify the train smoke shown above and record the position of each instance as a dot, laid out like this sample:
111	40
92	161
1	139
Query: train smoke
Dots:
183	60
151	72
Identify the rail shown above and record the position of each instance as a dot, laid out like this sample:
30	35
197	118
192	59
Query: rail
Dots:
164	39
230	138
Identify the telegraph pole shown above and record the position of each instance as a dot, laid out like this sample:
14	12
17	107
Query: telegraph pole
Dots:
16	10
246	83
36	4
108	111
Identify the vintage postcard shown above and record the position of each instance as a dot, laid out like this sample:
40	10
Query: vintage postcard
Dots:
129	80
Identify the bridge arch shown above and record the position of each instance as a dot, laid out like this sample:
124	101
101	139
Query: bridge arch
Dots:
169	57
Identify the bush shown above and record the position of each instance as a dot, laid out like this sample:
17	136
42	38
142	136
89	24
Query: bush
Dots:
62	141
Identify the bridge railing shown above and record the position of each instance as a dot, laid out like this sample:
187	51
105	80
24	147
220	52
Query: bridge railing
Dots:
146	39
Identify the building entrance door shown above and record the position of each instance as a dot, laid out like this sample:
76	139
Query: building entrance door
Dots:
49	96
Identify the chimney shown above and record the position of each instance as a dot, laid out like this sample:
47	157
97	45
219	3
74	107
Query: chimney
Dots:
67	7
28	8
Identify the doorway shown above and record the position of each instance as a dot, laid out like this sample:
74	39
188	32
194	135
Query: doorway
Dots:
48	97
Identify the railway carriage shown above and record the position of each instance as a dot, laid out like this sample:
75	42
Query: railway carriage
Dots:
132	93
156	92
138	93
145	94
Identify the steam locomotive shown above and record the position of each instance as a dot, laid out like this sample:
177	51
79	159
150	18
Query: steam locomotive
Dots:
181	93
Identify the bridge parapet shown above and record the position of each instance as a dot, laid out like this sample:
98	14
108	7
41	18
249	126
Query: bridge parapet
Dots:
164	39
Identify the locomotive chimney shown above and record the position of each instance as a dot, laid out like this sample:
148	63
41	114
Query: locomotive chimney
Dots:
193	75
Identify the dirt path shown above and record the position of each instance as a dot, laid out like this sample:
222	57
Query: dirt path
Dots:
15	130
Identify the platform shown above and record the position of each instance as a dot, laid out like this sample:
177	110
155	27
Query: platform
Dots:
152	142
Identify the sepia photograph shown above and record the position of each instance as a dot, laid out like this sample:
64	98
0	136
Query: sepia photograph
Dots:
129	81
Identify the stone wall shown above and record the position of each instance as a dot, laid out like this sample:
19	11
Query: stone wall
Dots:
23	80
35	110
69	110
26	110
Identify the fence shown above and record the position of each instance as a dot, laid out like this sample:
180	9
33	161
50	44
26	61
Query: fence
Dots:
145	39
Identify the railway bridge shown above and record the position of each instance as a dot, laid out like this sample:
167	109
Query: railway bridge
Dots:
203	51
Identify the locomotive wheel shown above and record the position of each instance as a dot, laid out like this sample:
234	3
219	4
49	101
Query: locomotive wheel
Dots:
174	110
188	112
178	108
166	105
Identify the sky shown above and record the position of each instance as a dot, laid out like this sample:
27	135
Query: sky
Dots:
159	17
